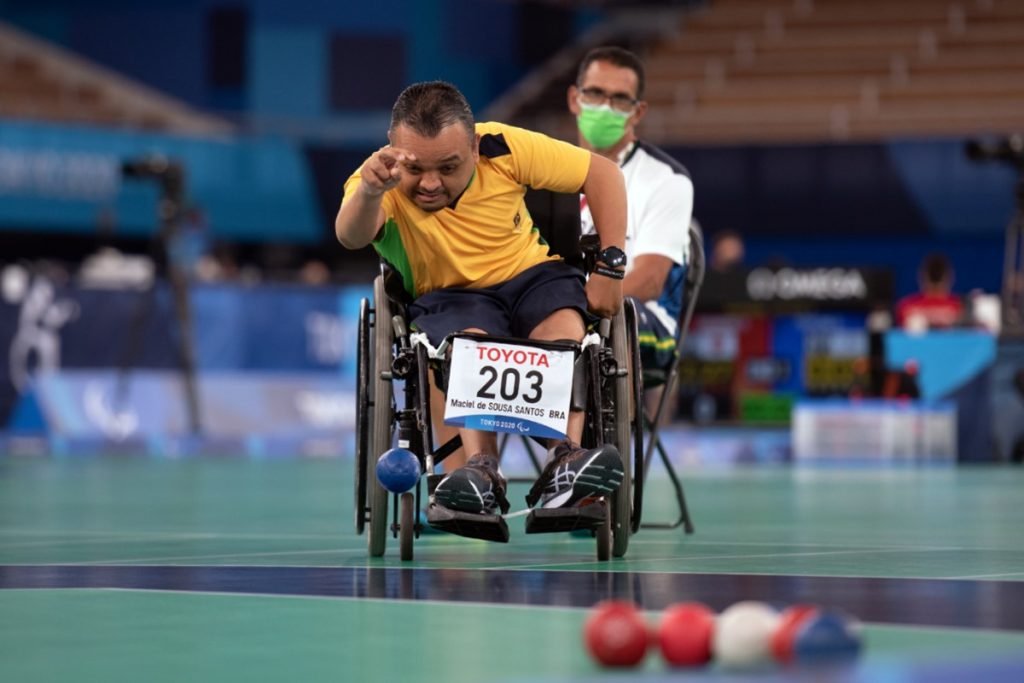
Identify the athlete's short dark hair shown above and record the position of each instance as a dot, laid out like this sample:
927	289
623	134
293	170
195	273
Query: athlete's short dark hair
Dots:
431	106
619	57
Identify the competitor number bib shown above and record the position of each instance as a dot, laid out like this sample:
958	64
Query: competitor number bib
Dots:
508	387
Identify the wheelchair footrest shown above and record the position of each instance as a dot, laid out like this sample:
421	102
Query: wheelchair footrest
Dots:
547	521
486	527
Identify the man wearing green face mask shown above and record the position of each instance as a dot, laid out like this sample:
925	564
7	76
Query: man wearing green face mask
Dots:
607	101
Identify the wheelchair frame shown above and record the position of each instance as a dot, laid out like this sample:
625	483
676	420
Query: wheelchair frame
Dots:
383	334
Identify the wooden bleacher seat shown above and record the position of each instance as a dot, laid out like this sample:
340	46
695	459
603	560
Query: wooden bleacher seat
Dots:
828	69
741	71
42	82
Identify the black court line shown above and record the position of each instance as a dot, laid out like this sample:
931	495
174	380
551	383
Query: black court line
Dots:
918	602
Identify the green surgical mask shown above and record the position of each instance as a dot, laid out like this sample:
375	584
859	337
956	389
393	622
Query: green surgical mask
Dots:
601	126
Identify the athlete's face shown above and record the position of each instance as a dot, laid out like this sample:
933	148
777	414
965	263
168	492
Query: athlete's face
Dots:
436	170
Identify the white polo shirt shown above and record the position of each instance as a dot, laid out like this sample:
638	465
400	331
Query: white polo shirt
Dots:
660	206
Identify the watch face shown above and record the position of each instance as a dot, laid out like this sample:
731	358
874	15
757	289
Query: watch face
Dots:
614	257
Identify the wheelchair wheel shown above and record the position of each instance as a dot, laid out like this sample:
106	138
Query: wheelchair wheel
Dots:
362	413
622	502
604	537
637	424
382	417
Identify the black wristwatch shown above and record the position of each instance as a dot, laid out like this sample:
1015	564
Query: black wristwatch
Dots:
609	260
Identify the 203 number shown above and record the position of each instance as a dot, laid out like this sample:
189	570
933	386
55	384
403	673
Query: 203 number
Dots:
508	387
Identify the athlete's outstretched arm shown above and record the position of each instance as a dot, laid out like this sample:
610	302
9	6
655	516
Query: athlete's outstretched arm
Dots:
360	215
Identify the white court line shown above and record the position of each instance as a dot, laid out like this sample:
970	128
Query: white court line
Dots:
567	567
972	577
75	541
568	564
467	603
346	598
452	539
691	558
846	546
156	539
448	540
387	564
167	534
522	538
216	557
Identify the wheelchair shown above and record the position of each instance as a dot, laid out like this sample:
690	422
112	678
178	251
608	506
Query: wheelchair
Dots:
604	383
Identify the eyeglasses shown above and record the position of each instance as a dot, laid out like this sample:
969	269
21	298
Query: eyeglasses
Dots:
619	101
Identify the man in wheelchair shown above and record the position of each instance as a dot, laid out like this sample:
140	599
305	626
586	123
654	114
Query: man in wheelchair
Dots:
443	203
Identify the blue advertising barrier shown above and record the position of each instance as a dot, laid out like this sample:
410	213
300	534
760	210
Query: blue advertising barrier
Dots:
264	329
84	404
956	365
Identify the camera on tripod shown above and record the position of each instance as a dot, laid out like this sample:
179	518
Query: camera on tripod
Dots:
1009	150
149	166
168	173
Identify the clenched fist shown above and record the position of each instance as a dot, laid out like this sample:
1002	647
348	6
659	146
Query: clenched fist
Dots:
604	295
382	171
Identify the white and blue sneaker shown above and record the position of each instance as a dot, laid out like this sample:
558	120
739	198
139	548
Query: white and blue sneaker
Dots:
574	474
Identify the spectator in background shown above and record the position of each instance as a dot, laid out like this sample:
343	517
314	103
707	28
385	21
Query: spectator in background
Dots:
110	268
219	265
315	273
935	306
727	251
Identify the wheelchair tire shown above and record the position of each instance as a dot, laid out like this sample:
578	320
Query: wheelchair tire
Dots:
406	525
637	425
362	413
382	417
604	536
622	503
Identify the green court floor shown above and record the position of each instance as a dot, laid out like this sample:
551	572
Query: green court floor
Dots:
951	524
123	635
888	522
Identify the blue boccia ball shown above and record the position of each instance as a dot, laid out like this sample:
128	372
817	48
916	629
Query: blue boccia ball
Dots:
829	636
398	470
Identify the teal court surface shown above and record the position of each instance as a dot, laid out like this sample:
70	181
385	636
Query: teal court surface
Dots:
141	568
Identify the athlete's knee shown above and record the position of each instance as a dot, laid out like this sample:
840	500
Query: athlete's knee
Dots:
565	323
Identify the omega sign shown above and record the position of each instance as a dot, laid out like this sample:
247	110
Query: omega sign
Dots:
818	283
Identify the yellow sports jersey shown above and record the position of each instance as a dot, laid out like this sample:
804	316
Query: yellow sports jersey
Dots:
487	237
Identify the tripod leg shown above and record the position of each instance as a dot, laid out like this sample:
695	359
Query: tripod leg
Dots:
130	351
1013	266
186	351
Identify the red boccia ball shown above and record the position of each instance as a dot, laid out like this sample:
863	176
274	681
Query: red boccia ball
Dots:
615	633
790	622
684	634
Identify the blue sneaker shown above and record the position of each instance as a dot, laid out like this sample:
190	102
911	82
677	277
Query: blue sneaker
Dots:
574	474
477	487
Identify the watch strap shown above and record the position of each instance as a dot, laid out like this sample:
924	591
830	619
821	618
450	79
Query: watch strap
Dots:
613	273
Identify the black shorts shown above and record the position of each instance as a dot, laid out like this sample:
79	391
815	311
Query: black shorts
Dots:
511	309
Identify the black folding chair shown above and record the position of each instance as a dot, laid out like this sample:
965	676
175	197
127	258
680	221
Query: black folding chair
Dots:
669	380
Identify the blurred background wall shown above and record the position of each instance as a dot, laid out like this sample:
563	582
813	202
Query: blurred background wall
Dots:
322	76
827	133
